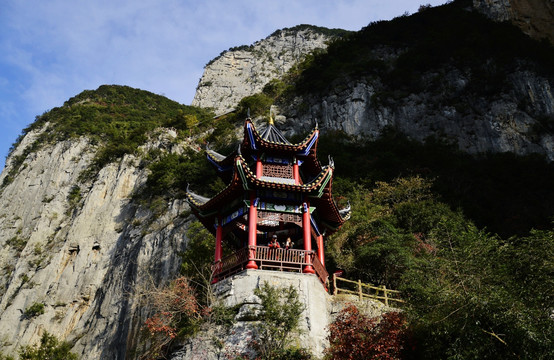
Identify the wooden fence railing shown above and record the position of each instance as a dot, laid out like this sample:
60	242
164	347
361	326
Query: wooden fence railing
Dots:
366	290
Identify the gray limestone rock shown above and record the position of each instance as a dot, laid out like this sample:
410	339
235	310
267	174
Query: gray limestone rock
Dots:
81	260
242	72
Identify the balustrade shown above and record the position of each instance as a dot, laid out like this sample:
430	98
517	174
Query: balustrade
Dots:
279	259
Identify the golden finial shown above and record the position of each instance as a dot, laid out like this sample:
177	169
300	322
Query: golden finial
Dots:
271	119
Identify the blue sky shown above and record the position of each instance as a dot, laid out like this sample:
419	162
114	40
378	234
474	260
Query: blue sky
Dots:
52	50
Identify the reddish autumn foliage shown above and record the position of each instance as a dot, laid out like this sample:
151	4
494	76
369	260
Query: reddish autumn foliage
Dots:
354	336
161	323
175	308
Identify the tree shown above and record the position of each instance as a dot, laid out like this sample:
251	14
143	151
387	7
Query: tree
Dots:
176	312
197	261
278	320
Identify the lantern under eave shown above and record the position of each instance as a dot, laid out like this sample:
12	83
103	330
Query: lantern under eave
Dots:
275	188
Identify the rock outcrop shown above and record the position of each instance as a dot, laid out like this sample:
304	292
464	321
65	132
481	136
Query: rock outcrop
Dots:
516	116
533	17
509	122
244	71
237	291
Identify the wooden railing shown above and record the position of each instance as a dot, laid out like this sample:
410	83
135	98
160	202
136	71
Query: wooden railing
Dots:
231	264
270	259
320	271
373	292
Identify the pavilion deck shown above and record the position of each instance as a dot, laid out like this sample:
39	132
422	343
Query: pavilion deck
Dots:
293	260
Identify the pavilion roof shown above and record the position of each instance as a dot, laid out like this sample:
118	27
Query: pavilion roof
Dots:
273	135
270	140
318	190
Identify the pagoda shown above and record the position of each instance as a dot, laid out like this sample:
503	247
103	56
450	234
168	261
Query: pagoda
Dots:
275	189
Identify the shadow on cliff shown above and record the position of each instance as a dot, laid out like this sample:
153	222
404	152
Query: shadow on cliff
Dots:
139	252
504	193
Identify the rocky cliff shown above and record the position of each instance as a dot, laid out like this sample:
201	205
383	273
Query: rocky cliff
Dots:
75	249
506	123
490	95
76	244
80	249
533	17
245	70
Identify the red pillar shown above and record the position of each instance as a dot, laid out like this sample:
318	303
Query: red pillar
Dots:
217	257
307	228
320	252
218	239
296	172
259	170
252	227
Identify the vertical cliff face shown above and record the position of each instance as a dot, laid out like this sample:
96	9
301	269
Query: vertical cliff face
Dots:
481	102
245	70
516	120
533	17
80	249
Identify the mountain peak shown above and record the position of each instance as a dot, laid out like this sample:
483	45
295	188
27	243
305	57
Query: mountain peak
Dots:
244	70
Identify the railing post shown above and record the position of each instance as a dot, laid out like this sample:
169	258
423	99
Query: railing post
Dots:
335	291
385	294
360	289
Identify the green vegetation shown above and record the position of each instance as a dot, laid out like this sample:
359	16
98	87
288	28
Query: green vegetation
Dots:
35	309
49	348
278	323
117	120
337	33
17	243
468	240
447	35
504	193
197	261
74	197
470	293
171	173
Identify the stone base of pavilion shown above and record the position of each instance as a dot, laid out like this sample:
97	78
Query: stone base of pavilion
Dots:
238	289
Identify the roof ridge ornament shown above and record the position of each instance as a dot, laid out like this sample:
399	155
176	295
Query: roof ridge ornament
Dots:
331	162
346	212
248	113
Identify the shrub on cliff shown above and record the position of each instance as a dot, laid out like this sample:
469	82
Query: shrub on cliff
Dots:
278	322
49	348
